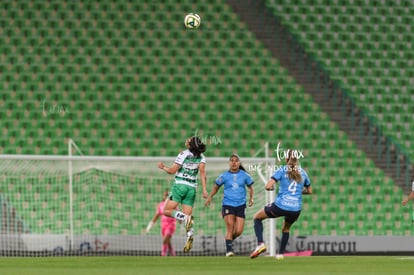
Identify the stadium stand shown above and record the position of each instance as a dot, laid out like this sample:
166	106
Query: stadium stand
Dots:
366	50
121	79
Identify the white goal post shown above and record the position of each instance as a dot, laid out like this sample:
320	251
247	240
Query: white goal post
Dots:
100	204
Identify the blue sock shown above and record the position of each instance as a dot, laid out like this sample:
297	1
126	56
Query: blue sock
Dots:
258	230
283	242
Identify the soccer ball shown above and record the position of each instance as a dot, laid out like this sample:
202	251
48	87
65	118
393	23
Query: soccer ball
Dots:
192	21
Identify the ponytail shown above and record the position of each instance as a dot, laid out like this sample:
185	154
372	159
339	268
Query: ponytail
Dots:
293	168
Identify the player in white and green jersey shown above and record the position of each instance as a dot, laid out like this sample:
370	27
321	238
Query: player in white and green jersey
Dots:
186	167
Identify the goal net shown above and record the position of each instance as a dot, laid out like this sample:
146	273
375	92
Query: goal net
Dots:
64	205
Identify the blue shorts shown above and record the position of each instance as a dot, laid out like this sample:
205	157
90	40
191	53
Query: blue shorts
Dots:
238	211
272	211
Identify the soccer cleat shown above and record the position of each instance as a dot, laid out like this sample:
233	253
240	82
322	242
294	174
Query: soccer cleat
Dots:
261	248
188	223
279	257
230	254
188	244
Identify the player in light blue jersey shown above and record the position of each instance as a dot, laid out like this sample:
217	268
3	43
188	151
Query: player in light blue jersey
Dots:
235	181
294	182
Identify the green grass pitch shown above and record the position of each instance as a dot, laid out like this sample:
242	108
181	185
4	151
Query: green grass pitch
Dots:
208	265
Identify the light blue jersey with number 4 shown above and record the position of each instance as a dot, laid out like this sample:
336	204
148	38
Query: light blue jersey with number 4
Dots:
289	196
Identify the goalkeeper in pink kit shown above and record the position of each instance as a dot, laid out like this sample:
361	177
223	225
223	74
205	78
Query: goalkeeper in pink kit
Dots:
168	226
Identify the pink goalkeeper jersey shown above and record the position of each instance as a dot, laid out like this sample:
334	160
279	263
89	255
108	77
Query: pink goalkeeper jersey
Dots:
165	220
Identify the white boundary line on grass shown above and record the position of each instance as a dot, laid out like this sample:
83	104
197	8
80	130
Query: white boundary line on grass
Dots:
406	258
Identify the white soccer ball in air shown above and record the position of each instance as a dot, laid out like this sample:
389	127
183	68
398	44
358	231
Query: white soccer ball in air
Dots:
192	21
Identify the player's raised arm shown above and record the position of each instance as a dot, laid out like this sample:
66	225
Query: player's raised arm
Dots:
170	170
